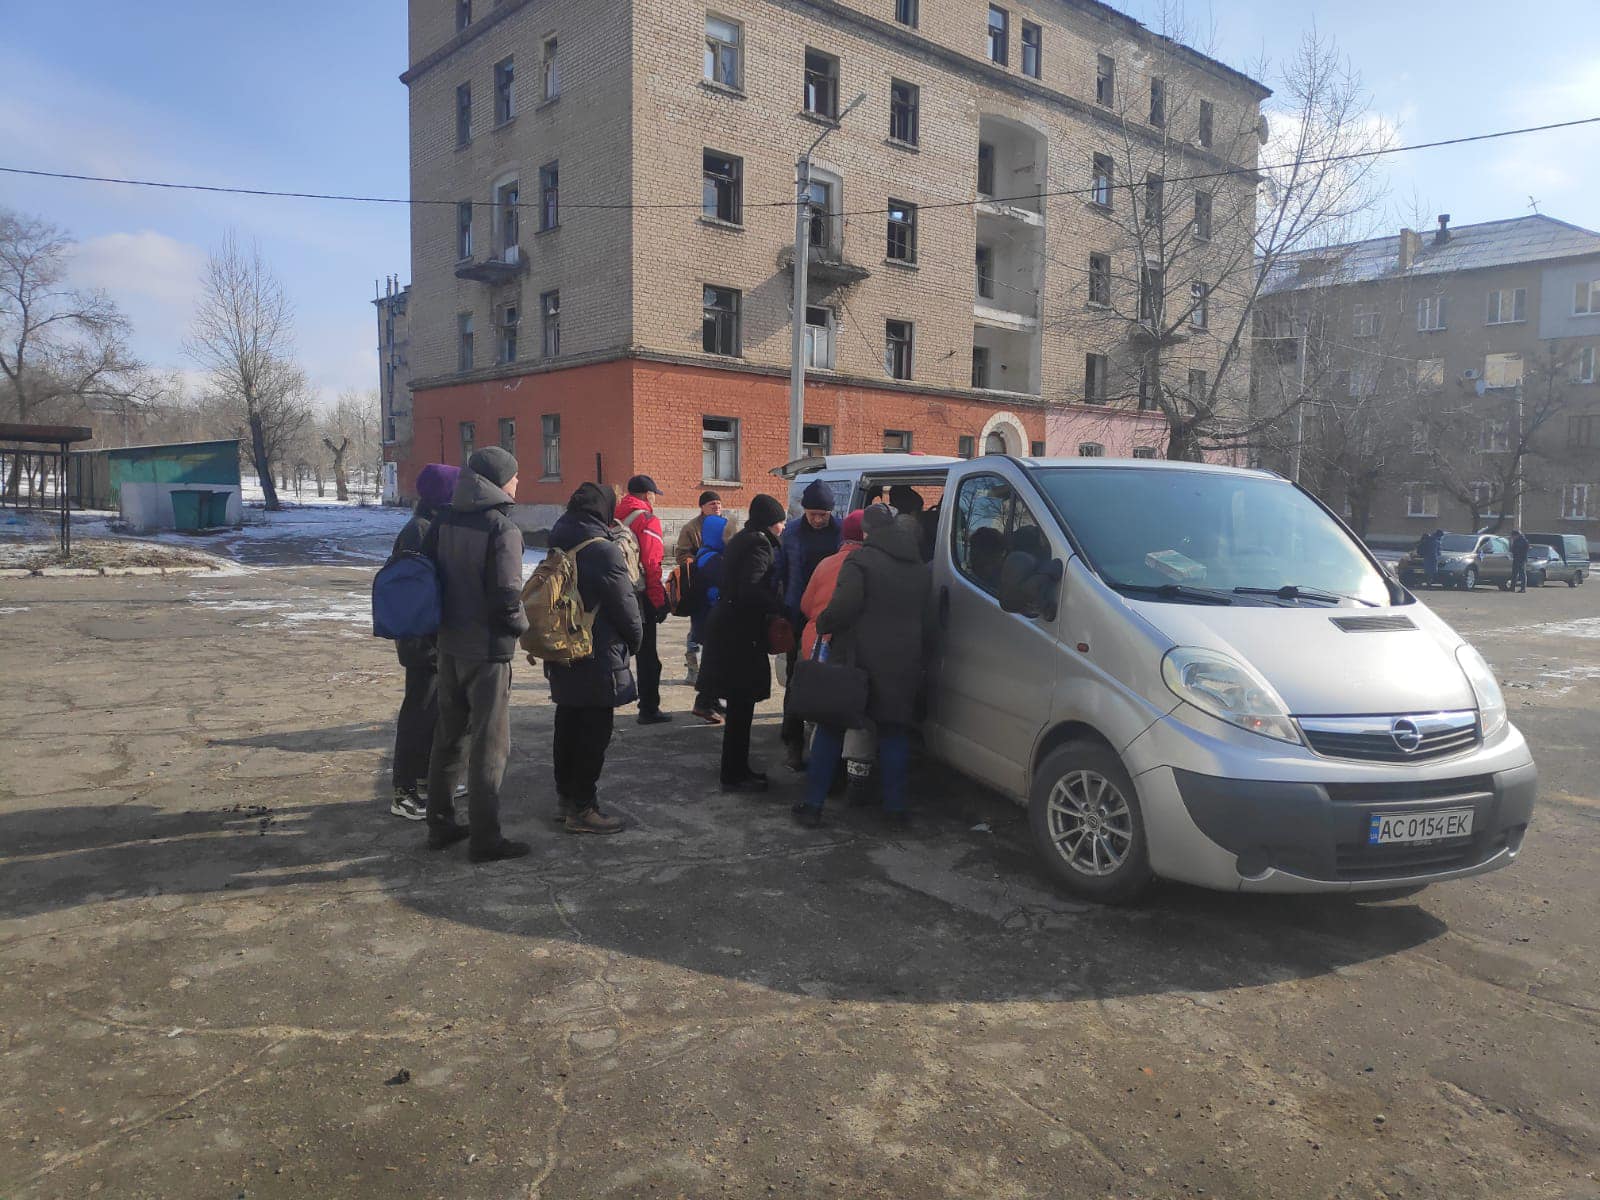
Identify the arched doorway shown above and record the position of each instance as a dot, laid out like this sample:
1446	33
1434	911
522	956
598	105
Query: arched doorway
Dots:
1003	433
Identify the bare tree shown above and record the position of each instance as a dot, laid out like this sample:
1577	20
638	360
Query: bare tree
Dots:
1486	455
1194	242
62	350
243	335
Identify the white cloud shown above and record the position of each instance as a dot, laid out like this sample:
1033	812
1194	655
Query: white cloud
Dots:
1557	168
148	265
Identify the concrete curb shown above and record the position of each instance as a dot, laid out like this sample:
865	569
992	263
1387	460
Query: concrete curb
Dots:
99	572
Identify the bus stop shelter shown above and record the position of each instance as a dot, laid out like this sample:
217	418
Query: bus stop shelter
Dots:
33	462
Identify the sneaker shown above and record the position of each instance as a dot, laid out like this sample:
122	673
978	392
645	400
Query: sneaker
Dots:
592	820
408	804
654	718
808	815
442	837
709	715
422	791
506	848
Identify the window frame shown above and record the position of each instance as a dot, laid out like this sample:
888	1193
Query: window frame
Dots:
822	442
463	15
1205	125
1152	294
982	365
966	446
1199	305
465	339
1102	181
730	184
1158	102
550	69
1583	368
719	51
463	230
1144	452
550	196
467	435
1105	81
1429	374
1096	378
986	169
1091	450
1495	312
820	95
1204	378
1485	489
550	323
899	348
507	217
900	245
1099	279
829	340
997	39
904	112
550	445
509	318
508	435
1034	44
983	271
906	438
1429	500
711	441
1366	321
505	91
1431	314
1571	510
1502	362
724	319
1007	503
905	13
1204	206
1590	306
463	114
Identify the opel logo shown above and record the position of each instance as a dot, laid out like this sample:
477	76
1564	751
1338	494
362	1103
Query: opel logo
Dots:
1406	735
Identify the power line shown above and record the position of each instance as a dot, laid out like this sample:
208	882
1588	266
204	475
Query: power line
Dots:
1226	173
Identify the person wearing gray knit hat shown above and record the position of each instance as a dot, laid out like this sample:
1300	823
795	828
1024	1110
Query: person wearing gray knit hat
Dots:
494	464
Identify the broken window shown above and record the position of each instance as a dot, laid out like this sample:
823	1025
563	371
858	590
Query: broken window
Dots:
1105	81
549	196
721	198
720	332
723	54
550	323
999	34
897	338
902	231
1100	187
505	74
822	84
903	112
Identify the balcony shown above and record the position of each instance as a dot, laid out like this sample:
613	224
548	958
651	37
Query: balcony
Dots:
1008	275
1011	171
503	268
826	267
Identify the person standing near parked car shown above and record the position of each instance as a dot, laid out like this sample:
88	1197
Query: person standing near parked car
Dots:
587	692
875	622
684	553
735	663
1428	548
419	710
1519	560
808	539
477	549
636	515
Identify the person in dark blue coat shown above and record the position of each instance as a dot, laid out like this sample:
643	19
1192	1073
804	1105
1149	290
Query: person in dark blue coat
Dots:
808	539
704	588
587	692
1428	547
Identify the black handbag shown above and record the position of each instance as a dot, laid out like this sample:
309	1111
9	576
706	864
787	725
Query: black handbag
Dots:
827	693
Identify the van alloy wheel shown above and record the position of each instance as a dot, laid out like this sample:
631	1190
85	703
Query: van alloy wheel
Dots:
1084	815
1090	823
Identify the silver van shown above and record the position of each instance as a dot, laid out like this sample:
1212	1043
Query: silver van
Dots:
1200	674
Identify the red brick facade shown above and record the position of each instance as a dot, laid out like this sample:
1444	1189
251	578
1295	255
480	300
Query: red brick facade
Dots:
641	415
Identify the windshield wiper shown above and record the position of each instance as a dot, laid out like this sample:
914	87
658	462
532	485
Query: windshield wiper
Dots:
1293	591
1173	591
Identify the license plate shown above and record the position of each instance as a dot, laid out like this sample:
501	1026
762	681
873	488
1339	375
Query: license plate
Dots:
1389	828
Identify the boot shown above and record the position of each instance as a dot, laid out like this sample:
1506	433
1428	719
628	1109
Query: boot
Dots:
592	820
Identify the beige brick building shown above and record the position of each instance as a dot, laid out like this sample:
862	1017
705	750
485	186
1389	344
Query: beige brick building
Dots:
393	303
1451	378
601	273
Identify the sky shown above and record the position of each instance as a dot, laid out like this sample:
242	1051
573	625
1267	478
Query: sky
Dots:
303	95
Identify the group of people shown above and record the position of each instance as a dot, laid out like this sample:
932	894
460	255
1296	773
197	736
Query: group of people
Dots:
1428	550
859	585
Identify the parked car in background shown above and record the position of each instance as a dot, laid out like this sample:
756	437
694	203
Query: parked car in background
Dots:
1465	561
1547	566
1573	550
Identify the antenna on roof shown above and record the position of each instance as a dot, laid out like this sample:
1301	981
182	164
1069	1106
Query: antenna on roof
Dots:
1533	204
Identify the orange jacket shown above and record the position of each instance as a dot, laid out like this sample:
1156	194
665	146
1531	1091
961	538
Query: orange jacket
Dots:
820	591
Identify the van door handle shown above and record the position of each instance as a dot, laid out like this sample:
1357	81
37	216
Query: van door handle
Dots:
944	607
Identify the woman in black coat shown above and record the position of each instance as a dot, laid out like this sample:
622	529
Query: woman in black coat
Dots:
734	663
587	691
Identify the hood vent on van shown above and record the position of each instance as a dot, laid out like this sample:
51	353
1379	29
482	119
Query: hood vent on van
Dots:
1373	624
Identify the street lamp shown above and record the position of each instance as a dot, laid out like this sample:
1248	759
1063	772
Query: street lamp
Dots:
797	370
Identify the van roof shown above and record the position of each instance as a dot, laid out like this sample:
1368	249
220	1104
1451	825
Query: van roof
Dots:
861	462
1148	464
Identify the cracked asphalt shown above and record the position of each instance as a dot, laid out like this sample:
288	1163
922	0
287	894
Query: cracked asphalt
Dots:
225	971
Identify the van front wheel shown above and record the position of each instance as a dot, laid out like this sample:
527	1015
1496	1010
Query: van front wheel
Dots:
1086	823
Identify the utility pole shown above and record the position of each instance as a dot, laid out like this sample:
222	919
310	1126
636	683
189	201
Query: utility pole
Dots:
1299	413
797	317
1521	454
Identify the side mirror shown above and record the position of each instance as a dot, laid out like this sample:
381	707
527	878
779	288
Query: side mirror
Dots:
1029	587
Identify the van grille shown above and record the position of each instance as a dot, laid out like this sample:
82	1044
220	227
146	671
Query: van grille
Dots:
1409	738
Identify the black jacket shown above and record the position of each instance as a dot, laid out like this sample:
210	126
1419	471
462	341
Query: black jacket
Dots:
1519	548
478	550
875	619
415	652
734	664
604	679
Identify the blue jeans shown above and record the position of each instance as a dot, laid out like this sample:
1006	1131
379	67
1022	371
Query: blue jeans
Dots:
894	764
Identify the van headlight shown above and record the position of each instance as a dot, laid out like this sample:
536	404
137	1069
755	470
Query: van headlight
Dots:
1228	690
1491	704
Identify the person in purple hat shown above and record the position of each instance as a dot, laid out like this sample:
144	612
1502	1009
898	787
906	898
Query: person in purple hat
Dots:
413	730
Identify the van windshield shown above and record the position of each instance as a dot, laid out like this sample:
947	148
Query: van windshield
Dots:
1226	534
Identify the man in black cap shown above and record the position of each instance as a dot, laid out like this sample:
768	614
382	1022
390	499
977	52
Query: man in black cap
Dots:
478	551
636	515
808	539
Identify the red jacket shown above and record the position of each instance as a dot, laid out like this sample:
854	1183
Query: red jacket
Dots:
820	591
647	529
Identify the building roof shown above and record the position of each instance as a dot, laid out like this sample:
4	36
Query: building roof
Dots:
1536	238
